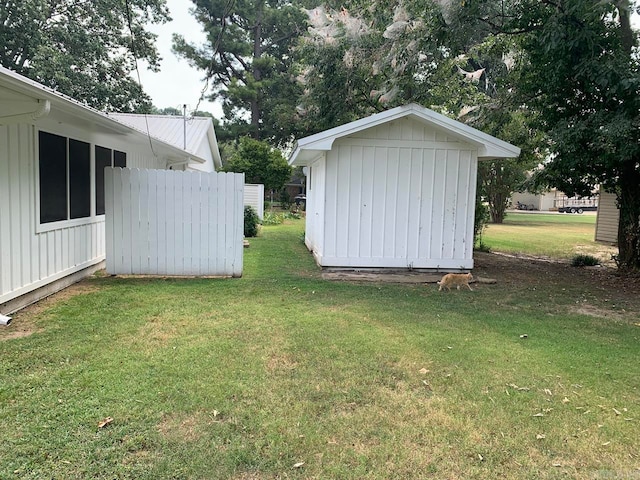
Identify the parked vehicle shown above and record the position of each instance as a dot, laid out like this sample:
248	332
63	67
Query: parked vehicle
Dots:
577	209
524	206
300	200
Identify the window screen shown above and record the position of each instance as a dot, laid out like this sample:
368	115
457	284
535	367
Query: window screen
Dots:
53	177
79	179
103	159
119	159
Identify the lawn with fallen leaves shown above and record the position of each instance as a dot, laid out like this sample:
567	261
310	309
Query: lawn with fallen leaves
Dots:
280	374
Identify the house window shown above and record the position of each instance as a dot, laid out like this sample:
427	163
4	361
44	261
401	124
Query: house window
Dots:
65	178
105	157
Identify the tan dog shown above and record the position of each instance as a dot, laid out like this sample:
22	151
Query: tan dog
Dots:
457	279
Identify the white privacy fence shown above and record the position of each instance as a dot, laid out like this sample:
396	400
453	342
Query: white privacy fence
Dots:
164	222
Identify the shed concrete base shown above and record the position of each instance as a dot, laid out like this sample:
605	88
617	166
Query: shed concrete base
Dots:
36	295
391	276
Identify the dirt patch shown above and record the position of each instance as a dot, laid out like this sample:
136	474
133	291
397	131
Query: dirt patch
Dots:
187	428
610	294
24	322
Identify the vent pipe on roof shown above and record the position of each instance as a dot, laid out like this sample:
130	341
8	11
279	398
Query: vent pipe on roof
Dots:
184	126
42	111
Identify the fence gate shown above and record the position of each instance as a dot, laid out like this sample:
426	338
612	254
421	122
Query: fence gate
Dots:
165	222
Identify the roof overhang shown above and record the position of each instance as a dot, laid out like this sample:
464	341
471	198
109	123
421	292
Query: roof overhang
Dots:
25	100
308	149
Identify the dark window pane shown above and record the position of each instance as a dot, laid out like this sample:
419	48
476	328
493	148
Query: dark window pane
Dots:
52	153
79	179
103	159
119	159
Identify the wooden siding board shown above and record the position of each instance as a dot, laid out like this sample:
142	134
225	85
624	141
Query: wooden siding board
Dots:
390	198
403	203
366	214
415	204
354	202
5	212
439	200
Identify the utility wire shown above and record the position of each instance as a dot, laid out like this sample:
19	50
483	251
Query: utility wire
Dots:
135	60
216	47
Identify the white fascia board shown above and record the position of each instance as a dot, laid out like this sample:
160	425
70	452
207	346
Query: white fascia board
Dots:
488	146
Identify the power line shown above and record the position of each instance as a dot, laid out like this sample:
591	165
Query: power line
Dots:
216	46
135	61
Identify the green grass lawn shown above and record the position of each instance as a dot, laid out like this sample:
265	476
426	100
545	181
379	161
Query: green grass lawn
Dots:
540	234
280	374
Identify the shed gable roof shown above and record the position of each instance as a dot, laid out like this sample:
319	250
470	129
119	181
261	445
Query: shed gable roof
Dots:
308	148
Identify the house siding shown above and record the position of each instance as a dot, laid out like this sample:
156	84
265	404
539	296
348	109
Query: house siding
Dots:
607	219
33	255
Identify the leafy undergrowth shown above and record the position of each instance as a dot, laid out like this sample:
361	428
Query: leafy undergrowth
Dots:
280	374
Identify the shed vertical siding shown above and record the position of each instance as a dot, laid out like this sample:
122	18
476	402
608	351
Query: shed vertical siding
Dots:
399	196
316	206
32	256
607	219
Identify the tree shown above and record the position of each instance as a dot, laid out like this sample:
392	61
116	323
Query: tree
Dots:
260	164
582	74
84	49
442	56
248	59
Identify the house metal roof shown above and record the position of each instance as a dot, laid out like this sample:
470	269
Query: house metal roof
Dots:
489	147
171	129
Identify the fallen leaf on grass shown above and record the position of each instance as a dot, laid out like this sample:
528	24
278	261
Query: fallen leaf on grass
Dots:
298	465
606	443
105	422
556	464
548	392
424	371
565	400
538	414
617	412
541	436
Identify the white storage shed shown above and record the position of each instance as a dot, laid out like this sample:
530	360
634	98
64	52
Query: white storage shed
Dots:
394	190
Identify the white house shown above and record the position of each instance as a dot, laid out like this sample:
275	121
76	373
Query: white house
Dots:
196	135
53	151
394	190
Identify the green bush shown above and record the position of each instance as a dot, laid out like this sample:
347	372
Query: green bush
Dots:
271	218
582	260
251	221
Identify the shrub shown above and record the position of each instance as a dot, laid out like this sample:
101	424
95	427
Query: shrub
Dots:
582	260
251	221
271	218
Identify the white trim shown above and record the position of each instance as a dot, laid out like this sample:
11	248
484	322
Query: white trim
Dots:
438	264
75	222
488	146
47	280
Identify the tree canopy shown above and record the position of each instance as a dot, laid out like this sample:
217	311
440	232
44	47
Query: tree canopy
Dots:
84	49
260	163
248	59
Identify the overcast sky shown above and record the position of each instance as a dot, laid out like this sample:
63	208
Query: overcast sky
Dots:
177	83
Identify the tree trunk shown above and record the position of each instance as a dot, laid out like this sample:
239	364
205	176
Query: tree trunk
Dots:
629	224
257	73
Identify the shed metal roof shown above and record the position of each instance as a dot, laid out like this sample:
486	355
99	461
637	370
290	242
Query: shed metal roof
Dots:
489	147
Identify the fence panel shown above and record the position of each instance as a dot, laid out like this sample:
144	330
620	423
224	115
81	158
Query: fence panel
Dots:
163	222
